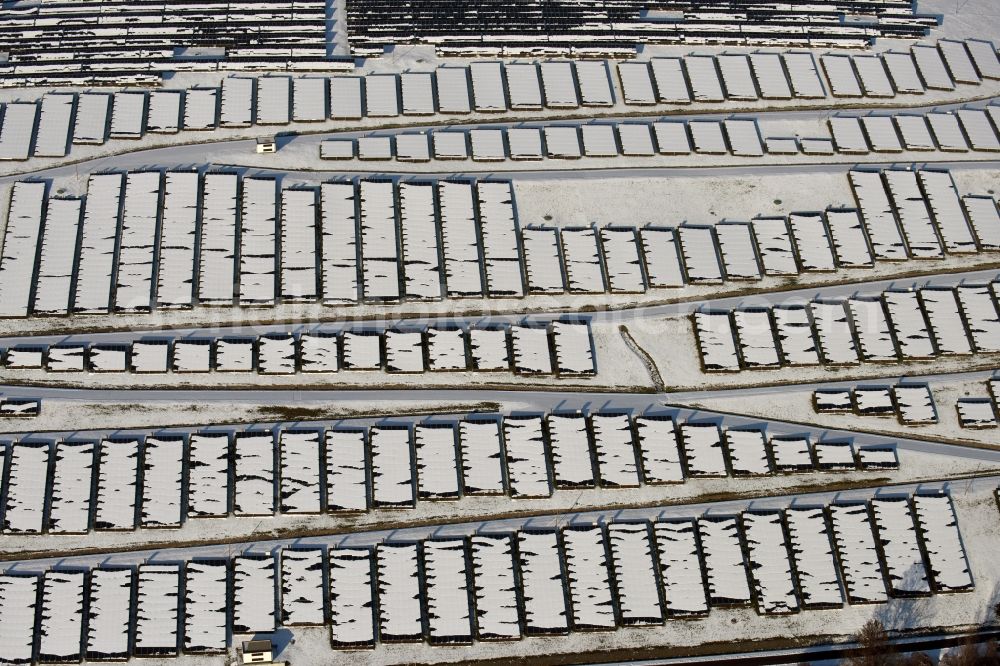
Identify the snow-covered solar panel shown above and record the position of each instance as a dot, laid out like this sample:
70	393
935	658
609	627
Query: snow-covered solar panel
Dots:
525	143
375	148
942	310
53	135
903	71
984	57
436	460
27	488
494	587
621	258
849	240
932	68
527	468
192	355
18	601
257	241
382	96
803	76
273	100
218	238
65	358
947	211
658	450
706	86
157	607
498	227
775	246
208	475
163	465
978	129
309	99
482	465
542	592
914	214
299	280
392	461
92	111
743	137
206	592
634	570
747	451
254	473
110	604
791	453
915	132
345	98
904	564
838	455
128	115
57	257
947	132
725	569
770	568
840	73
419	240
254	594
882	134
680	567
302	587
716	341
319	352
450	145
672	138
671	84
871	325
362	350
848	135
60	622
542	262
702	444
914	403
446	591
707	137
399	607
562	141
346	475
701	258
116	484
949	566
570	444
756	338
738	252
812	241
17	130
352	618
661	256
981	317
595	85
874	77
736	76
300	473
339	242
487	145
177	240
833	332
452	85
976	413
636	139
108	358
380	267
446	349
812	553
99	232
770	76
237	101
582	260
637	84
72	481
487	87
412	147
985	220
588	578
25	357
573	348
530	346
615	450
140	218
816	146
417	89
201	108
524	86
879	221
460	244
489	349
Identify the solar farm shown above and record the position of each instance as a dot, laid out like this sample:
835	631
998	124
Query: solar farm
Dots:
566	332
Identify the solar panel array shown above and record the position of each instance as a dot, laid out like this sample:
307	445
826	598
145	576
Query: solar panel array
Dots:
910	403
550	348
895	326
980	413
499	585
132	479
